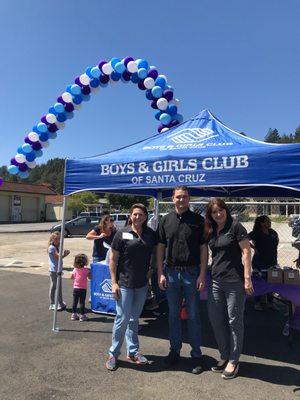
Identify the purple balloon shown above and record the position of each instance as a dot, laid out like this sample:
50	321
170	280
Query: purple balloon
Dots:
77	81
52	128
61	100
154	105
1	181
152	73
69	108
13	161
86	90
43	119
36	146
27	140
101	63
174	123
168	94
141	85
160	127
23	167
104	78
126	76
127	60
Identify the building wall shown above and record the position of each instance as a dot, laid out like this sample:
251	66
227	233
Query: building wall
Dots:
54	212
21	207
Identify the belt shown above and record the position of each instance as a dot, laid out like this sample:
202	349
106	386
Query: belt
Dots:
179	268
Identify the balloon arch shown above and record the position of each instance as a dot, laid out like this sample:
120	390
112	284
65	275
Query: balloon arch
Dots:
147	78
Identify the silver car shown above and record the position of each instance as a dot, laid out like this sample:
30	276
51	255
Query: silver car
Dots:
79	226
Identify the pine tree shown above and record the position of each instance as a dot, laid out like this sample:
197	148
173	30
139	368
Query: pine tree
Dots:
272	136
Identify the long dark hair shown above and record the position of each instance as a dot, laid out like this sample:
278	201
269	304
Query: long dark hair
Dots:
210	228
258	221
143	209
104	221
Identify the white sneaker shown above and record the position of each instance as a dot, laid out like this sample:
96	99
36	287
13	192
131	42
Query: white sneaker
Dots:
52	307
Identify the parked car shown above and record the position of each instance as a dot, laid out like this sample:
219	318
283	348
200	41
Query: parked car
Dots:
292	219
296	227
119	219
92	214
77	226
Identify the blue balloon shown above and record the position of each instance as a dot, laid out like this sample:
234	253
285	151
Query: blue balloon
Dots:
30	156
52	135
143	64
85	97
158	114
124	80
13	169
88	71
26	148
115	76
59	108
95	72
160	81
94	83
61	117
52	111
172	109
157	91
75	89
43	137
165	118
41	127
169	87
38	153
24	174
179	117
68	88
35	129
119	67
70	115
142	73
76	100
114	61
135	78
149	95
104	85
20	150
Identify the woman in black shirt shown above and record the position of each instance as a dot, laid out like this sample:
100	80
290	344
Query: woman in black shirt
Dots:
231	278
102	234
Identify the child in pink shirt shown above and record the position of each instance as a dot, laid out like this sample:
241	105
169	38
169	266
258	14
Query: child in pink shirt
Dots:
80	275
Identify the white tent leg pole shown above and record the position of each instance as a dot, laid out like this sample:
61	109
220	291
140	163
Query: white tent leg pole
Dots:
156	208
59	269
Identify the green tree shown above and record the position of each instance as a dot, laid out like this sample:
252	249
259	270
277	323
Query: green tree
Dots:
297	135
125	201
286	139
272	136
78	201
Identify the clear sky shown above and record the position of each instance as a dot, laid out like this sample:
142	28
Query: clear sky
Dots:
240	59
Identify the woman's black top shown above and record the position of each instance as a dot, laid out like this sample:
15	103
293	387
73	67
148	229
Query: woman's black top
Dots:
226	253
265	255
99	250
134	256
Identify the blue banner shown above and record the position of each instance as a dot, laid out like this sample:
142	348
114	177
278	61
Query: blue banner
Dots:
102	300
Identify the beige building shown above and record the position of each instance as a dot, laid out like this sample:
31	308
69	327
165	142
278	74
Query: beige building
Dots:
22	202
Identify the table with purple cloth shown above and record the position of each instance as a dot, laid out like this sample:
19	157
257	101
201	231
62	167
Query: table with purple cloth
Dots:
261	287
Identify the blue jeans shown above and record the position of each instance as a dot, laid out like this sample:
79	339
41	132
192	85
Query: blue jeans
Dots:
183	285
129	308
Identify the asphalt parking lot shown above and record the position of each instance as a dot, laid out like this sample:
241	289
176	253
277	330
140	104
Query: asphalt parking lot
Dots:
36	364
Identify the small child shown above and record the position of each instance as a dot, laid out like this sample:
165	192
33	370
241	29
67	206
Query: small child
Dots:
80	275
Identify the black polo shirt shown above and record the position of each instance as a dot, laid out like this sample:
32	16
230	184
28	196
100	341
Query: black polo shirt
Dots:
182	234
99	250
265	255
226	253
134	256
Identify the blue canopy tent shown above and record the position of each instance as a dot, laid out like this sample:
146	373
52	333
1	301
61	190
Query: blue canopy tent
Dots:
201	153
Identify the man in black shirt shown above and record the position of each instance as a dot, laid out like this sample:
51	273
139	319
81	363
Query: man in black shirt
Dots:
181	242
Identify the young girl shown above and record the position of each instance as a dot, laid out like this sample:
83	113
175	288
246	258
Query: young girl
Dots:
53	256
80	275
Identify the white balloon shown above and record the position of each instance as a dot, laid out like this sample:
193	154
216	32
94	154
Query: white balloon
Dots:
149	83
20	158
33	136
164	130
60	125
45	144
51	118
162	103
31	164
67	97
132	67
84	79
107	68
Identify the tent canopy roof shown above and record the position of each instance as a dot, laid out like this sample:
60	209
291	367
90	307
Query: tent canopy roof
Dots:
201	153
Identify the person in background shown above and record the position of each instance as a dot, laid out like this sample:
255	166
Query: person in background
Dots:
80	275
102	234
130	261
182	274
264	241
231	279
53	257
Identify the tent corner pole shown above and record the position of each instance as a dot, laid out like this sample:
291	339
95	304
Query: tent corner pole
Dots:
55	328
